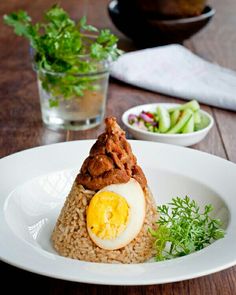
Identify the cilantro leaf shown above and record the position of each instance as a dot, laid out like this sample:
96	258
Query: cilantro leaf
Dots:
105	37
21	22
58	17
84	26
53	102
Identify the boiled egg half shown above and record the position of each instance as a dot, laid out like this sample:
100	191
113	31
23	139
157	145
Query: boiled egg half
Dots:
115	215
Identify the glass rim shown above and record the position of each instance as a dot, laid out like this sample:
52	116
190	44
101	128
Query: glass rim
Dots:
104	70
94	73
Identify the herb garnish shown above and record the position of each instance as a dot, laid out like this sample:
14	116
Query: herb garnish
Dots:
183	229
63	46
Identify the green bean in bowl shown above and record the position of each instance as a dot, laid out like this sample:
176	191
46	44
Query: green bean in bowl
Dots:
181	124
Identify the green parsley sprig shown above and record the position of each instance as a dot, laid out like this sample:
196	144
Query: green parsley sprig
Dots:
183	228
64	47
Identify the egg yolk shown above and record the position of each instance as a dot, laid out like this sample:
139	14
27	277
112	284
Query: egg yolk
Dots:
107	215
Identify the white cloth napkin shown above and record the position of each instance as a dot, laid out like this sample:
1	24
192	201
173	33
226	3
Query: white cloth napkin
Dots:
176	71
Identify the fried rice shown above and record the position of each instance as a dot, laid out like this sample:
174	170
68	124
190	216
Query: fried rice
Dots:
71	239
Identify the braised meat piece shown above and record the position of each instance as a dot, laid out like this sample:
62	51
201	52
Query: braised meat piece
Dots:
110	160
98	165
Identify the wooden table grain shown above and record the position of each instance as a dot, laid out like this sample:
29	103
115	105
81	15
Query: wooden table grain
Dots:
21	128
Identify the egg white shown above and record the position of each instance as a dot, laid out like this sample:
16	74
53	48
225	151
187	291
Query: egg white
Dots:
134	196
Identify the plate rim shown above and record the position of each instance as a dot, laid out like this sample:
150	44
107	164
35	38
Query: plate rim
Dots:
93	280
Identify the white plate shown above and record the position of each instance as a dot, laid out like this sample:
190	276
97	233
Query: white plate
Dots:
35	182
186	139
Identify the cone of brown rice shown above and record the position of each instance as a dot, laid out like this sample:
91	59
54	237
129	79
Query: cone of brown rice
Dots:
110	208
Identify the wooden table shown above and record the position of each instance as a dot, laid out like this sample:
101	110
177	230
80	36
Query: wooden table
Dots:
21	127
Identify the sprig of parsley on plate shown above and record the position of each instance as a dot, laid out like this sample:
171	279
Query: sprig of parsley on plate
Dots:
64	46
183	228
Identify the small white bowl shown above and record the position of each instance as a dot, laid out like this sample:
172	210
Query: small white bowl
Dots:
185	139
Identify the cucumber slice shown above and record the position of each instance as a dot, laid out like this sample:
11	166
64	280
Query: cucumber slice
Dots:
174	116
197	117
164	119
203	124
192	105
156	130
186	115
189	126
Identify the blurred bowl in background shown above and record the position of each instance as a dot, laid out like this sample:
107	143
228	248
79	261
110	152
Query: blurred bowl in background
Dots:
150	30
170	8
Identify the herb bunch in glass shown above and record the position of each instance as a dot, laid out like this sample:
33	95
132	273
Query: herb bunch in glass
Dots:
72	64
64	51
